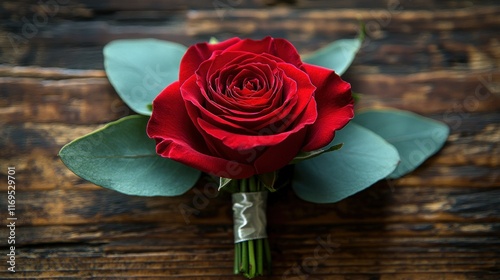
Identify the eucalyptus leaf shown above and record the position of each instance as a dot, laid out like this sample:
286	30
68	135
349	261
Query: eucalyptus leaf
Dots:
415	137
121	157
364	159
337	55
139	69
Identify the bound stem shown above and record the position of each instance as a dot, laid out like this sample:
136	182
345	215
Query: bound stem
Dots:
252	257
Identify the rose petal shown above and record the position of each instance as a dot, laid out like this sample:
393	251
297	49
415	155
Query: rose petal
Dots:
267	136
194	100
198	53
256	103
279	48
335	106
279	155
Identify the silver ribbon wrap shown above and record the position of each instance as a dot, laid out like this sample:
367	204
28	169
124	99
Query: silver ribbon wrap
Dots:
249	216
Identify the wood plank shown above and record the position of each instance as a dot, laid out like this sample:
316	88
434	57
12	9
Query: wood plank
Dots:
87	100
160	264
199	206
164	257
90	8
434	47
116	232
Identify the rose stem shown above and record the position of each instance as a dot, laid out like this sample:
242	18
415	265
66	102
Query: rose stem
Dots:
251	257
244	253
251	251
260	244
259	257
237	258
267	250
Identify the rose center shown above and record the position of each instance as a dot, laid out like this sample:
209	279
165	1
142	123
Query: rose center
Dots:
248	87
252	85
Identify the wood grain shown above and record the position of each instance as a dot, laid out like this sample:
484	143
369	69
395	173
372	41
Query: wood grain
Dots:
437	58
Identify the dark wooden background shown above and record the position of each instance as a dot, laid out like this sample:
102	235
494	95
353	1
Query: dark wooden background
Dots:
437	58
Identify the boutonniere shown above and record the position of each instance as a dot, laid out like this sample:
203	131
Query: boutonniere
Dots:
239	111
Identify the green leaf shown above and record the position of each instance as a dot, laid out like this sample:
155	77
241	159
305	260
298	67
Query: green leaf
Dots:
121	157
139	69
213	40
231	186
307	155
415	137
224	182
356	97
364	159
337	55
268	180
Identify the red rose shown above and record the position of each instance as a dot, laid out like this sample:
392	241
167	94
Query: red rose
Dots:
245	107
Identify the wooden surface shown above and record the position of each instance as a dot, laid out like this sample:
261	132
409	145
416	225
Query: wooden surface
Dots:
437	58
